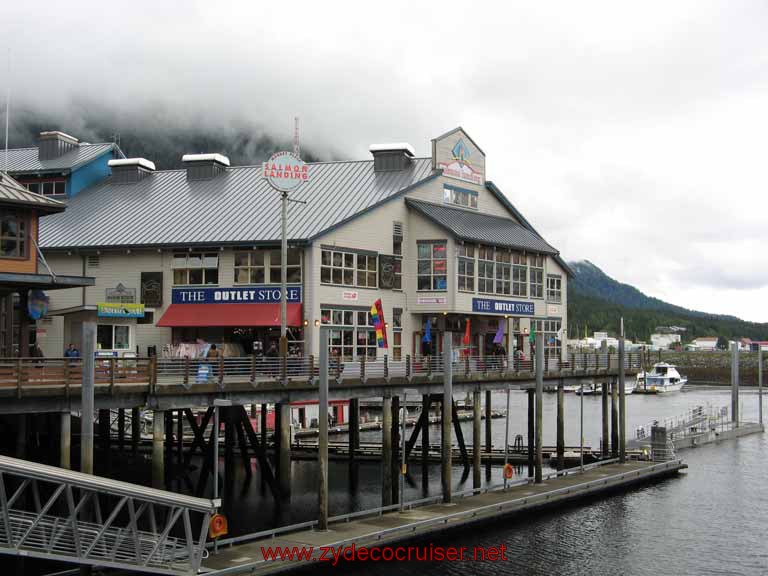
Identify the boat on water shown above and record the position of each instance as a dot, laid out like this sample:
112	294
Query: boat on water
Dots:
597	388
662	379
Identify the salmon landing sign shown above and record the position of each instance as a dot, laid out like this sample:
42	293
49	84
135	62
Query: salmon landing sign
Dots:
285	171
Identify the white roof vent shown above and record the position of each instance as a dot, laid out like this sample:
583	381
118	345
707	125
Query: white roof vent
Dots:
130	170
219	158
141	162
204	166
403	147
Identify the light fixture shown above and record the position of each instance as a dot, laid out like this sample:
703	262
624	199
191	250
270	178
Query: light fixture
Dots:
386	324
317	323
506	316
445	313
306	322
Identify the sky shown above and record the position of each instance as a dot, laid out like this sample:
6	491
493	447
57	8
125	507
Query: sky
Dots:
631	134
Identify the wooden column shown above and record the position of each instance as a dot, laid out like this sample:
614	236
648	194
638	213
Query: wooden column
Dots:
476	444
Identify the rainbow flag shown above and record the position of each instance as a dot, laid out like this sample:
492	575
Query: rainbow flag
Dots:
377	315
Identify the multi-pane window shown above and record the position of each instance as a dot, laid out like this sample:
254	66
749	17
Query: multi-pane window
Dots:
13	235
465	269
250	267
397	334
554	287
397	250
519	274
113	337
337	268
48	187
352	334
194	268
366	270
397	270
503	272
536	262
366	336
293	267
485	266
432	266
552	337
460	197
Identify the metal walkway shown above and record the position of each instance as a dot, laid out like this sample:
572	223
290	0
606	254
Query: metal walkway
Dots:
56	514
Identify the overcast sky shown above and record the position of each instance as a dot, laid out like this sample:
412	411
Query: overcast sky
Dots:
630	134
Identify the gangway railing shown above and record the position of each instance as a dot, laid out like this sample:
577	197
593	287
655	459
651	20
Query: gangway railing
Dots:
56	514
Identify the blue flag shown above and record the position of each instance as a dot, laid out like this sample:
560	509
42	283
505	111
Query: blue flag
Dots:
427	333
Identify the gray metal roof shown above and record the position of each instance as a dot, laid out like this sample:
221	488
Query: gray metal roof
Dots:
235	207
11	192
25	161
482	228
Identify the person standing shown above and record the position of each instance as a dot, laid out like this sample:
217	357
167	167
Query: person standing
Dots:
72	352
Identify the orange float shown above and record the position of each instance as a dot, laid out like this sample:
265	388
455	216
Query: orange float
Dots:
508	471
218	526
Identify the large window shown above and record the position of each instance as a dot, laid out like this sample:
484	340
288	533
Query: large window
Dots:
113	337
536	262
337	268
352	334
397	250
432	266
250	267
503	272
460	197
46	187
293	267
519	274
465	269
13	235
366	270
485	269
552	337
194	268
554	288
397	334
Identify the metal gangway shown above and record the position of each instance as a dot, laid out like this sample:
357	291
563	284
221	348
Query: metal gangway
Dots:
67	516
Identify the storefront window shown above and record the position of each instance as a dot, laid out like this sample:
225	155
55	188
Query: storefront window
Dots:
366	270
337	268
353	334
13	235
485	269
519	274
432	266
195	268
466	267
536	262
554	288
551	331
503	272
113	337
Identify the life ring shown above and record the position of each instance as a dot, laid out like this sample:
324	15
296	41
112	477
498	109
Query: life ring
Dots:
509	471
218	526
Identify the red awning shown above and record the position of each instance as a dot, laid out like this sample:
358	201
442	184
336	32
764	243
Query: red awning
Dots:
201	315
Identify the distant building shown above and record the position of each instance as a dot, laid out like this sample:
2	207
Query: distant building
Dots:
60	165
706	343
757	345
745	345
662	341
670	329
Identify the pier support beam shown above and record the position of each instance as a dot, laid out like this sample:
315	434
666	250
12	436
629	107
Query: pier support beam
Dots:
121	430
135	430
354	427
614	419
65	440
104	435
426	404
445	451
322	439
735	383
263	425
606	423
622	401
283	433
386	451
476	418
539	406
488	422
531	429
158	449
395	466
87	397
560	425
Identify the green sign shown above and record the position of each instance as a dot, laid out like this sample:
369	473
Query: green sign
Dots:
116	310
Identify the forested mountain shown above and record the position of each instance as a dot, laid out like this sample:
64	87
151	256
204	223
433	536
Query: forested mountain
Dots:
596	302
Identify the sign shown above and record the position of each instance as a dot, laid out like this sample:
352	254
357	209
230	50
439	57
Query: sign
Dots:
285	171
386	271
553	310
116	310
460	164
37	304
249	295
488	306
120	294
152	289
431	300
350	295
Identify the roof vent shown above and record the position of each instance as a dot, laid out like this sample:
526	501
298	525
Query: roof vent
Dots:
53	144
391	157
130	170
204	166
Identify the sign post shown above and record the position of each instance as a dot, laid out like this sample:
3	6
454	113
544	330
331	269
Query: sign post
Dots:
285	172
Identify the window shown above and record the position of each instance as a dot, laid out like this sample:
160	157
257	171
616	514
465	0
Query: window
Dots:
503	272
551	331
148	318
250	267
465	270
48	187
337	268
397	250
398	274
460	197
13	235
536	262
352	334
293	267
554	287
519	274
485	268
195	268
432	266
366	270
397	334
113	336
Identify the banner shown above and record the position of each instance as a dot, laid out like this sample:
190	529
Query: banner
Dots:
115	310
247	295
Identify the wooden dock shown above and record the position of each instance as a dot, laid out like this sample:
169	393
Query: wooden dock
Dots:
381	529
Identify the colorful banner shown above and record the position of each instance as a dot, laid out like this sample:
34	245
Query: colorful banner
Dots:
377	315
37	304
117	310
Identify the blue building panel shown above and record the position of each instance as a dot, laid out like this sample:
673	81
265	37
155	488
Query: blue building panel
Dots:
89	174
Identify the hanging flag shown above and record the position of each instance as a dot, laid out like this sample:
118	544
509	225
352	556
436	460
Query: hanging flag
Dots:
377	315
532	337
499	338
467	338
427	338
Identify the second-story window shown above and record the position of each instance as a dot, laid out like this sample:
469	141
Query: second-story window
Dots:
397	250
195	268
293	268
485	267
465	269
432	266
250	267
13	235
554	288
536	262
503	272
337	267
366	270
519	274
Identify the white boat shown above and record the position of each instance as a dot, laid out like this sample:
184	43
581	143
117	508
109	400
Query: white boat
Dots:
663	378
590	389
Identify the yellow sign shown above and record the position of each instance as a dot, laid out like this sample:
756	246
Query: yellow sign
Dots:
117	310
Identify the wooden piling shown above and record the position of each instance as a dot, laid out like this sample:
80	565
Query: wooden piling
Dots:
354	426
158	449
539	406
531	430
65	440
614	419
560	425
446	482
386	451
395	466
476	419
606	424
